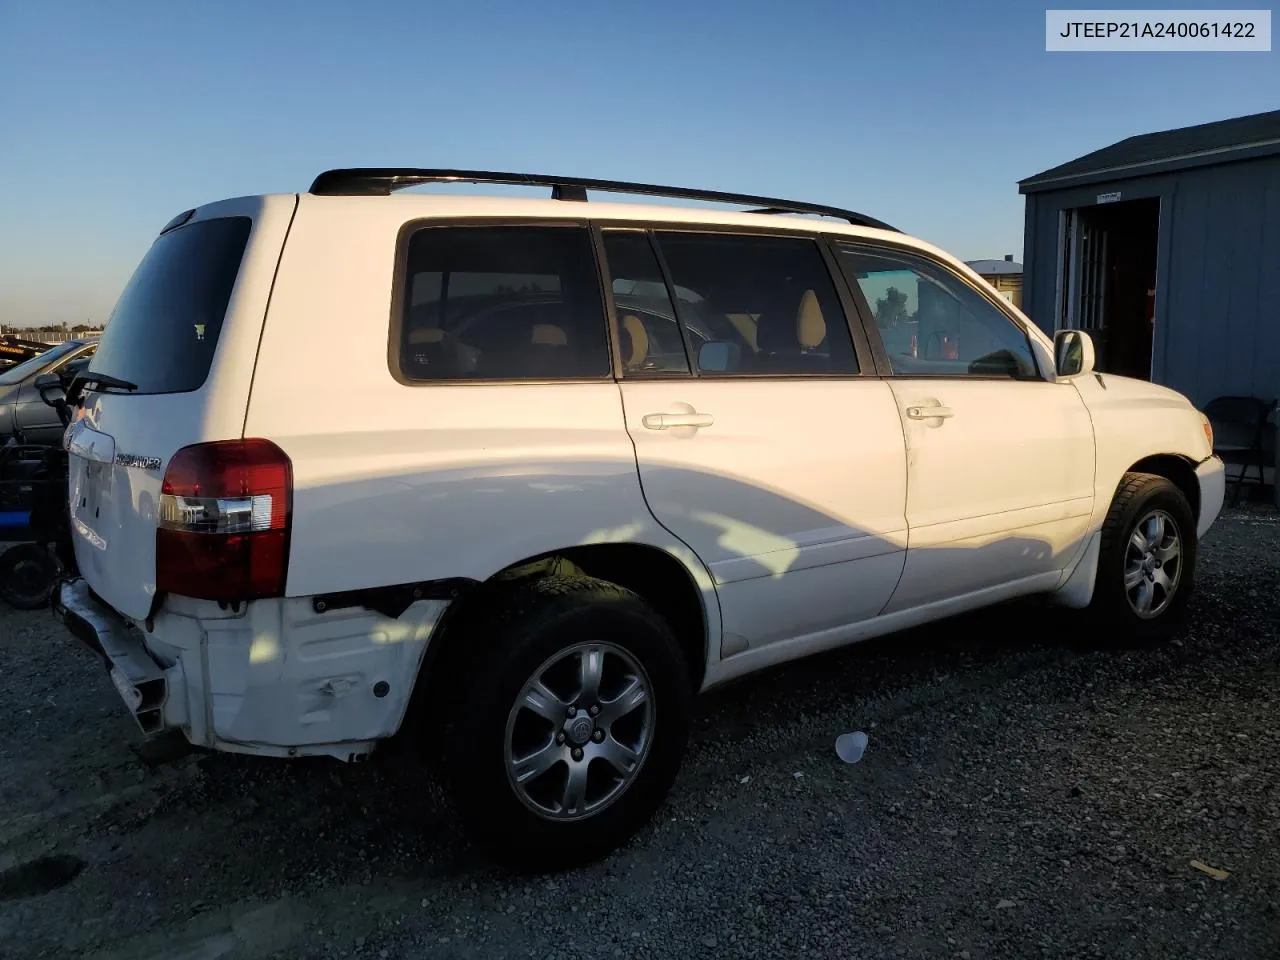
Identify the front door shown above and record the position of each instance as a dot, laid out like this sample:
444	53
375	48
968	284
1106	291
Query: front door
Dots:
1000	458
760	444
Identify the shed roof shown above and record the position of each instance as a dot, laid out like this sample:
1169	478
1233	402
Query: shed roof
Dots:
992	268
1206	143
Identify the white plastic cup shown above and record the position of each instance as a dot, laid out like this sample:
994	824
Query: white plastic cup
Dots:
851	746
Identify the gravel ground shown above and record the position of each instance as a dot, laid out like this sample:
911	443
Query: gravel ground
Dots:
1025	793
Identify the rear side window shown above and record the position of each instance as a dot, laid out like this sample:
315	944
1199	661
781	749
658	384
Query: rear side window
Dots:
758	305
165	327
502	303
647	329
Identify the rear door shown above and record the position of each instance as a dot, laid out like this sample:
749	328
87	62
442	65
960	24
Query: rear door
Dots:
760	442
174	366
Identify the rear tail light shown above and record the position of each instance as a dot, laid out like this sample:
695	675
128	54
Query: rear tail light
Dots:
223	530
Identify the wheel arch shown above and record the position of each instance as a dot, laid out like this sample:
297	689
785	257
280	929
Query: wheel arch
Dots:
1077	589
657	575
1175	468
661	580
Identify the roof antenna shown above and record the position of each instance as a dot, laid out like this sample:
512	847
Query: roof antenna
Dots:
568	191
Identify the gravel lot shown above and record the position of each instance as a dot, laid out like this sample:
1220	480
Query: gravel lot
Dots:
1025	793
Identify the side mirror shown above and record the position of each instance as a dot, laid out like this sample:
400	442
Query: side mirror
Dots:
46	383
1073	353
53	392
719	356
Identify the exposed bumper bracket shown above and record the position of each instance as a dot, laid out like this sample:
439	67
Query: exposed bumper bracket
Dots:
393	601
138	679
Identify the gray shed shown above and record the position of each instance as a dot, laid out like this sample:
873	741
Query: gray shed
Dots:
1166	248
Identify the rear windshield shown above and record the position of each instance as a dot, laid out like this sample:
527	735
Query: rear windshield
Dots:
164	329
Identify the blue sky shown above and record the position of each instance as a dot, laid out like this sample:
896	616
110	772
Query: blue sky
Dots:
115	116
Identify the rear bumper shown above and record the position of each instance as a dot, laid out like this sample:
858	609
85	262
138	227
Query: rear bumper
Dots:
1212	477
141	682
278	678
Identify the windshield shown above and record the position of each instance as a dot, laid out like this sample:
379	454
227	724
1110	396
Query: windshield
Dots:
27	367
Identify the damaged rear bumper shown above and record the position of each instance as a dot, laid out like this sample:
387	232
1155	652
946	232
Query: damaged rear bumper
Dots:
143	684
277	677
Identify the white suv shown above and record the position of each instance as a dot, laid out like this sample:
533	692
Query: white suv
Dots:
530	473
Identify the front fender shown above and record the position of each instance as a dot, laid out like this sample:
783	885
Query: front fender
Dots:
1134	420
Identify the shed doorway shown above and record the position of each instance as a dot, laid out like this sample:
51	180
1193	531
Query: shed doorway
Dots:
1109	281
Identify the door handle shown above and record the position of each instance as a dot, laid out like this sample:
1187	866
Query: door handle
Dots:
661	421
930	413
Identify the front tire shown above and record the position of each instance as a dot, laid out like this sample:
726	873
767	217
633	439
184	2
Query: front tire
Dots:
569	722
1146	565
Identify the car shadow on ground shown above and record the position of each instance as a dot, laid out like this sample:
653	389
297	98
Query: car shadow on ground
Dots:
389	816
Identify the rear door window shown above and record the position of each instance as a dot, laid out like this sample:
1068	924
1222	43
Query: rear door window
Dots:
502	303
758	305
649	335
165	327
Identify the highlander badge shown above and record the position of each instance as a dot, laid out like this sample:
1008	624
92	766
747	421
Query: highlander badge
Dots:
140	463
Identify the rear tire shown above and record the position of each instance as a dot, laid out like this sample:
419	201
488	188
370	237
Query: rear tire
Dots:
551	776
1146	564
27	575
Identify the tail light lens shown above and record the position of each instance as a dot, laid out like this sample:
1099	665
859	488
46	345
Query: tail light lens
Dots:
223	531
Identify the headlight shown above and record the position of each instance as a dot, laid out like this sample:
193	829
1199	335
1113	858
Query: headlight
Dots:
1208	431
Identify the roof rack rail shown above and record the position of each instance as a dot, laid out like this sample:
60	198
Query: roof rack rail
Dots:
381	181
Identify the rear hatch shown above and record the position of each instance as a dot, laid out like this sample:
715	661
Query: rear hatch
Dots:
173	369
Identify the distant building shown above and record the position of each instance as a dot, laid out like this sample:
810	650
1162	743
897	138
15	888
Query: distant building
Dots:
1004	275
1165	247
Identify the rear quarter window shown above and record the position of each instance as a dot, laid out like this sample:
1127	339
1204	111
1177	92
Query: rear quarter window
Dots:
165	327
492	303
